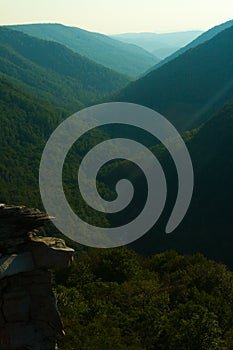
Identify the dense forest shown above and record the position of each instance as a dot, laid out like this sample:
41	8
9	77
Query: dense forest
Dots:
209	34
55	73
27	122
188	89
25	125
160	292
116	299
207	226
127	59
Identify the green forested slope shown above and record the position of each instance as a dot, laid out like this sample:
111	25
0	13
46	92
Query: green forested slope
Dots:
209	34
124	58
25	126
116	299
53	72
207	226
192	86
27	122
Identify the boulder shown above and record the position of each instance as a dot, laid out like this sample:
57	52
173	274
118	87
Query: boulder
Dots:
29	318
49	252
12	264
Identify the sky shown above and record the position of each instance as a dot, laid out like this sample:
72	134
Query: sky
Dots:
120	16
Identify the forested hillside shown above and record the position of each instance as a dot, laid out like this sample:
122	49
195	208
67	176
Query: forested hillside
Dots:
163	291
191	87
25	126
209	34
122	57
207	227
53	72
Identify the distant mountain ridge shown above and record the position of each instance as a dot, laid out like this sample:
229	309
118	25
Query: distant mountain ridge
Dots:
54	72
124	58
161	45
189	88
209	34
191	91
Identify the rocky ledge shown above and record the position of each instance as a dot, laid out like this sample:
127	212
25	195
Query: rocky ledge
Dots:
29	318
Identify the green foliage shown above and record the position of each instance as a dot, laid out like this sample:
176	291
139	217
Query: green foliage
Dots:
189	88
25	125
207	226
165	302
116	299
54	72
27	122
209	34
124	58
192	326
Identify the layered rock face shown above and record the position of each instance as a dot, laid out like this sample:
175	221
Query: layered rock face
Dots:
29	318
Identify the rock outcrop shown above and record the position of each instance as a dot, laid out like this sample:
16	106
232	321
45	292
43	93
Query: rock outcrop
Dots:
29	318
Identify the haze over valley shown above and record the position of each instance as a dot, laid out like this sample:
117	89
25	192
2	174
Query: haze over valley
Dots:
162	291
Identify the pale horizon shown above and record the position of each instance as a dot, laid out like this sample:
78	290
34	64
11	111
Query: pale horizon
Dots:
123	16
114	33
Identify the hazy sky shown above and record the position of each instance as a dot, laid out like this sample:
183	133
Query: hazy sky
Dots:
117	16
